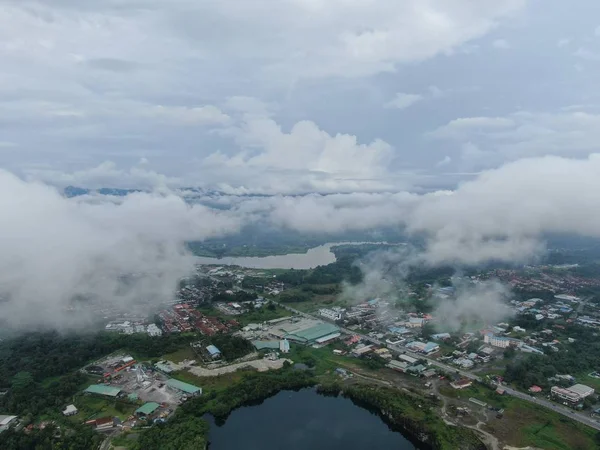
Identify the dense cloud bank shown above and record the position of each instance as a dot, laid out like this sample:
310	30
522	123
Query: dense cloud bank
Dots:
53	249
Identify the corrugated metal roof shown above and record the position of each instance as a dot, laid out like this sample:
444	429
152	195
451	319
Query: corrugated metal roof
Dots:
261	345
328	338
101	389
185	387
147	408
213	350
314	332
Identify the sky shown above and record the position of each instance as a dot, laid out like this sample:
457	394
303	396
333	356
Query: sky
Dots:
293	96
473	123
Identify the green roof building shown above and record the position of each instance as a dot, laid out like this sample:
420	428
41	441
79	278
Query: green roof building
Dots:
101	389
184	388
262	345
147	409
312	334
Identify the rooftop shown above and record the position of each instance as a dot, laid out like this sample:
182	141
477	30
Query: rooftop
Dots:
261	345
185	387
582	390
5	420
314	332
213	350
147	408
102	389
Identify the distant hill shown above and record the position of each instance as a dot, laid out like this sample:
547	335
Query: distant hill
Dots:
74	191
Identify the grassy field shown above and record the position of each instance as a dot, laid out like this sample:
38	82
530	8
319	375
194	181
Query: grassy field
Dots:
584	378
181	355
262	315
210	384
257	316
524	424
92	407
319	301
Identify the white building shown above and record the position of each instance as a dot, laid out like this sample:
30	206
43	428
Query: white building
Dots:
570	298
70	410
464	363
153	330
408	359
330	314
284	346
7	421
582	390
566	395
415	322
518	329
497	341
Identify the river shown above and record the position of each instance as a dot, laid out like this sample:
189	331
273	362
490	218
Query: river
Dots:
317	256
305	420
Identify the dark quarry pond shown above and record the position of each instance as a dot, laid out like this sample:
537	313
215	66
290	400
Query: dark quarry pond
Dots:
305	420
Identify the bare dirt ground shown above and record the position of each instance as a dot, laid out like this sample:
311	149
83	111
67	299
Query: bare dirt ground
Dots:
262	365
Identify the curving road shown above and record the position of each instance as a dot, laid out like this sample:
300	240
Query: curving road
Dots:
565	411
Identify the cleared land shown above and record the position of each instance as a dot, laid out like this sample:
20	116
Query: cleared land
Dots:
262	365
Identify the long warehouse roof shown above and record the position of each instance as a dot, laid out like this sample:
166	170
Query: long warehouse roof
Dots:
101	389
315	332
185	387
147	408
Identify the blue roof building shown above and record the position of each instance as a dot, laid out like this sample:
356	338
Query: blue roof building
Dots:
213	351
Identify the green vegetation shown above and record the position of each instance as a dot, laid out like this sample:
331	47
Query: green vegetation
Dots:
581	356
232	347
50	354
35	367
416	415
263	314
94	407
187	429
50	438
524	424
341	270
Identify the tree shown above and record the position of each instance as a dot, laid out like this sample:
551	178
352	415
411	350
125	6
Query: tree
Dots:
22	382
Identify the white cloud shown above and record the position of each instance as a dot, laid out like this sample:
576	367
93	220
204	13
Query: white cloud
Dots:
436	92
306	155
106	175
587	54
458	128
55	249
403	101
501	44
444	161
525	134
201	115
564	42
502	213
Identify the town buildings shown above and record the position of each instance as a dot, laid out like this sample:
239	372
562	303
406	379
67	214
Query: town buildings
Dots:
423	347
572	396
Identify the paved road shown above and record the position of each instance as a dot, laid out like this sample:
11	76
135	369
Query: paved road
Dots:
565	411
